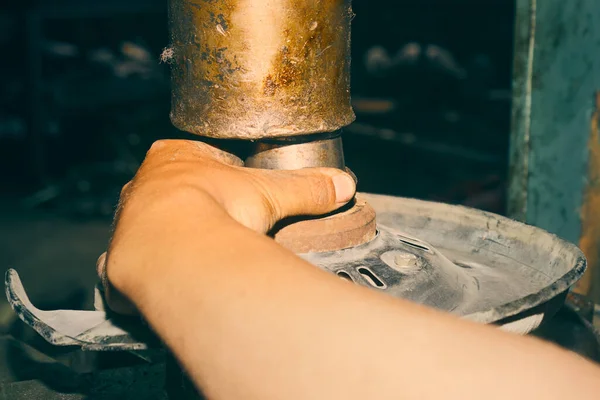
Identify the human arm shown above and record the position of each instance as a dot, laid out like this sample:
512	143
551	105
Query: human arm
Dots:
249	319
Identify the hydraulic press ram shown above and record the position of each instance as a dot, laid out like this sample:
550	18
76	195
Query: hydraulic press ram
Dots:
276	72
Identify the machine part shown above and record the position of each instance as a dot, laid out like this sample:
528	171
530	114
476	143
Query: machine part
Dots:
275	70
342	229
323	150
349	228
477	265
554	117
248	69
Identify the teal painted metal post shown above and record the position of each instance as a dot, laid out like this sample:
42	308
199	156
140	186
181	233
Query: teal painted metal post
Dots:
556	75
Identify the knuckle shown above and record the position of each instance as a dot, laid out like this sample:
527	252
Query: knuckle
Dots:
268	200
170	145
100	265
270	205
125	189
264	185
322	192
220	155
157	145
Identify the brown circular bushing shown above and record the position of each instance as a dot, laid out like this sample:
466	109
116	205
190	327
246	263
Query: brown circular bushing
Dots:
349	228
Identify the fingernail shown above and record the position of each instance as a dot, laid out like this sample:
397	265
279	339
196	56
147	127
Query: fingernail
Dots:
344	188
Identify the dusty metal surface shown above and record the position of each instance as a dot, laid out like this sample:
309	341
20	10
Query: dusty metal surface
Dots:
557	59
590	223
476	265
324	150
481	266
525	25
352	227
252	69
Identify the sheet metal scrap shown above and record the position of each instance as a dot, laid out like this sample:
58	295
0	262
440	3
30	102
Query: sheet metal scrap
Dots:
90	330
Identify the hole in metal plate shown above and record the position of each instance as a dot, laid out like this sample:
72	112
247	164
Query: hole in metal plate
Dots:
344	275
463	265
415	245
371	278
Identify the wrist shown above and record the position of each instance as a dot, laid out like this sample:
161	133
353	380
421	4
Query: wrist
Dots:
169	229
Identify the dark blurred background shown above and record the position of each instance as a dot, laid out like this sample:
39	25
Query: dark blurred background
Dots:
83	94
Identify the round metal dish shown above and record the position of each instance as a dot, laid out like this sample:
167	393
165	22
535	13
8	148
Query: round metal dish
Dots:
474	264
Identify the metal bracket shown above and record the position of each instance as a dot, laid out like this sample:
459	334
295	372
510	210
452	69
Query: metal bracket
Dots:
90	330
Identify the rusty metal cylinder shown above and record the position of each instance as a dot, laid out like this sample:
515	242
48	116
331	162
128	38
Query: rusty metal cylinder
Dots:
253	69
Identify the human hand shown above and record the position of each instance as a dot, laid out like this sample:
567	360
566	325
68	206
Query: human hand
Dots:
180	178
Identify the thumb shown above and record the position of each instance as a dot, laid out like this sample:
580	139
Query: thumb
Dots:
310	191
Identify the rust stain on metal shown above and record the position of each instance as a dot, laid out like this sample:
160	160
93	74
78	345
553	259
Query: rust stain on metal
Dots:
590	234
343	230
252	69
